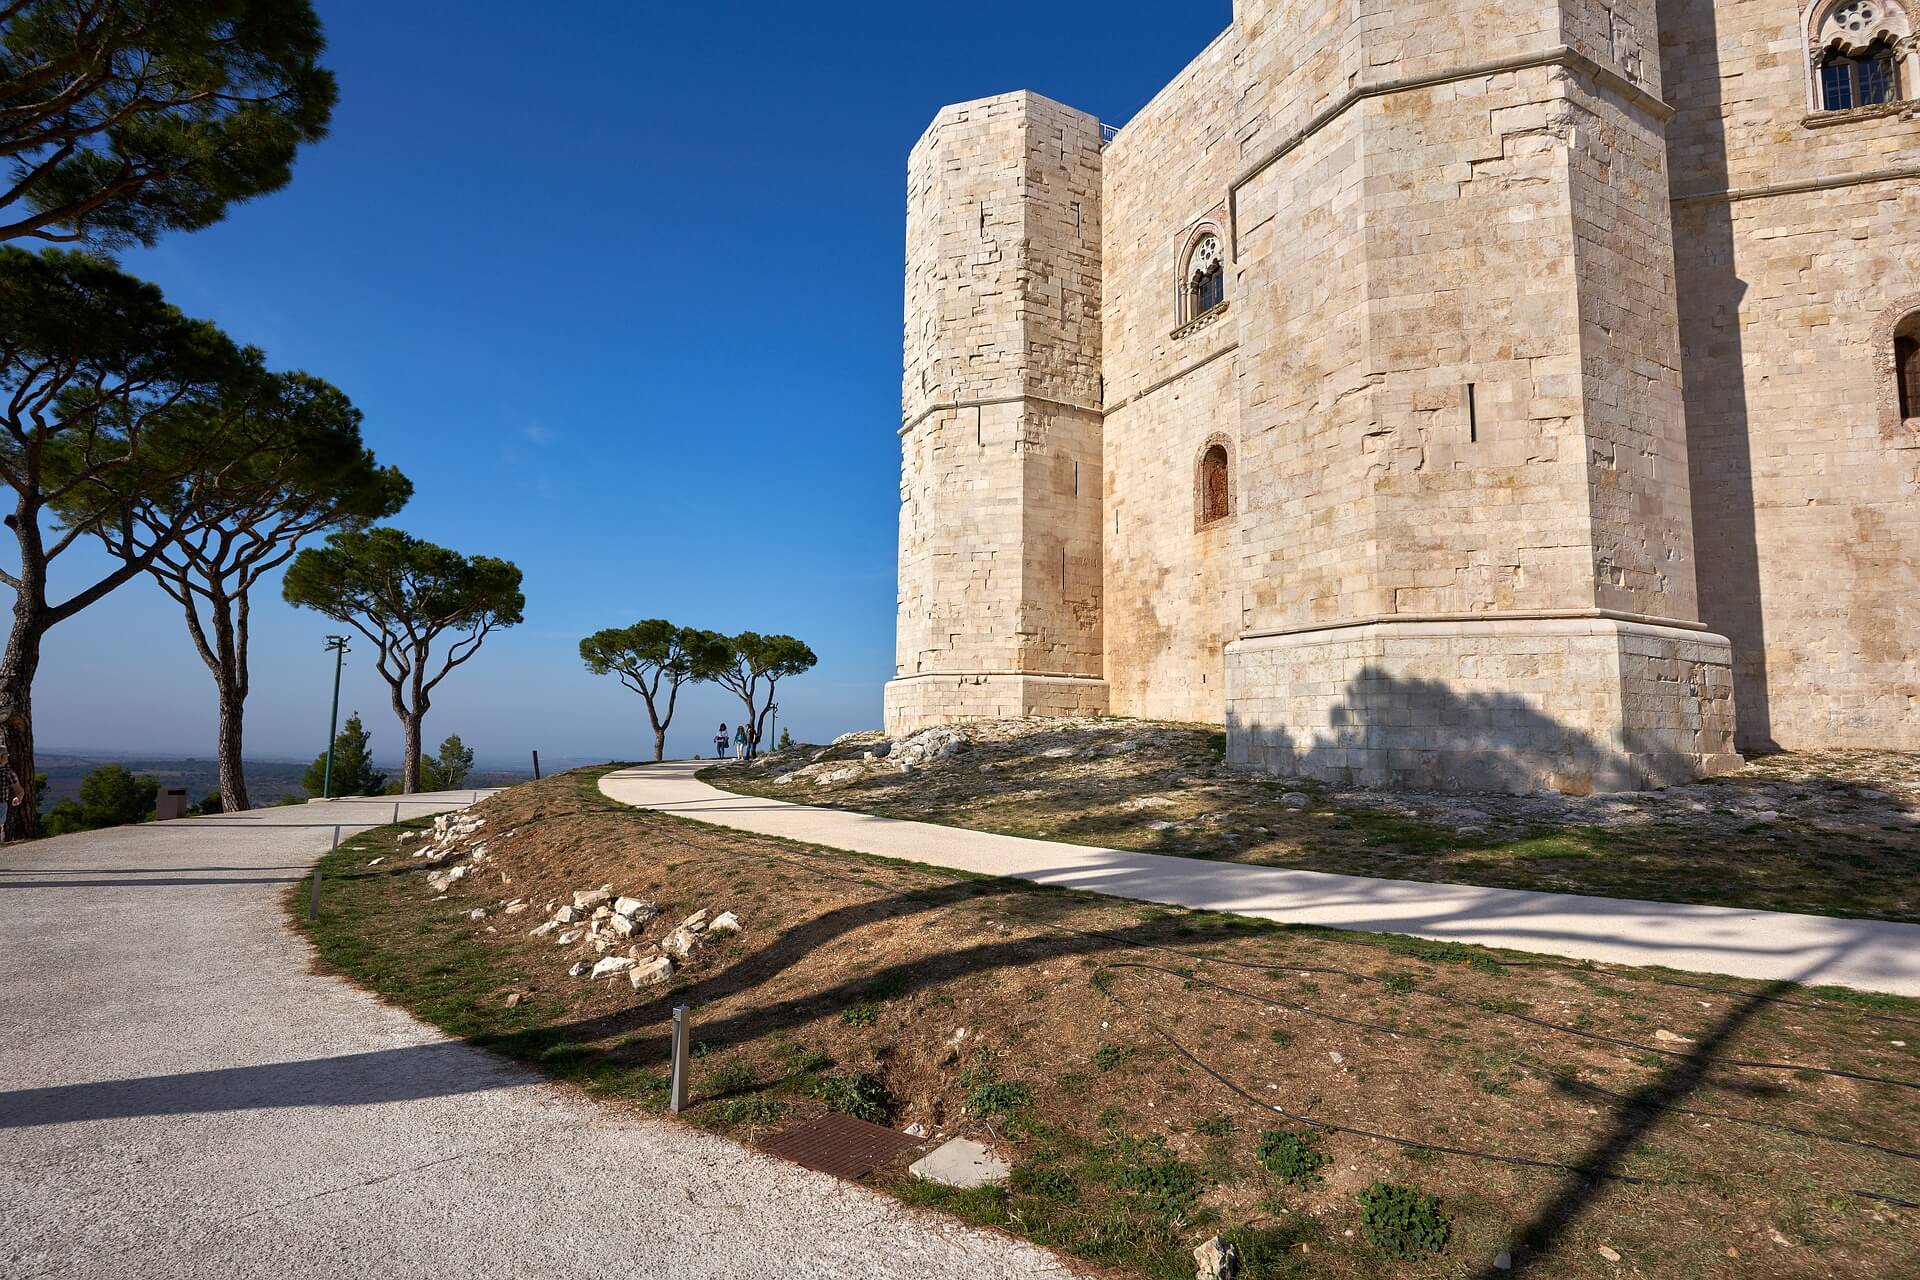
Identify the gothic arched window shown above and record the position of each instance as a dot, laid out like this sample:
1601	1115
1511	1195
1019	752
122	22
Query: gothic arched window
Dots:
1204	281
1858	48
1213	486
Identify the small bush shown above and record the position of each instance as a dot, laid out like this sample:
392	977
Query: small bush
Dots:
1145	1167
864	1014
1046	1183
1398	984
728	1077
856	1093
1290	1157
999	1098
1403	1223
1109	1056
890	987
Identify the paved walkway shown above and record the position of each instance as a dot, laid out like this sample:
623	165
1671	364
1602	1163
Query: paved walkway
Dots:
180	1097
1868	954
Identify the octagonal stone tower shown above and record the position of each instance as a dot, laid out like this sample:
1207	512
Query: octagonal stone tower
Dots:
1000	492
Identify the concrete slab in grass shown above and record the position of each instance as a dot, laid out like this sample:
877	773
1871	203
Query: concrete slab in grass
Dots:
961	1162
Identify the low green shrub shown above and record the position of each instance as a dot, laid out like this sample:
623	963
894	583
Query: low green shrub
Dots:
1044	1182
862	1096
1291	1157
1109	1056
1403	1223
999	1098
753	1109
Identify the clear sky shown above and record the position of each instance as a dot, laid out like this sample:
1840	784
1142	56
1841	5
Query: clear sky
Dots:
619	287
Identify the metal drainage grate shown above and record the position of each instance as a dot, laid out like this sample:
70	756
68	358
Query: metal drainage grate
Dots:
840	1145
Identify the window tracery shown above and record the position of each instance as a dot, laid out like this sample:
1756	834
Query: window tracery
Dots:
1862	54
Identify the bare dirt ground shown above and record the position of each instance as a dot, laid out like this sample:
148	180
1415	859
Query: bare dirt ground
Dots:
1157	1076
1826	833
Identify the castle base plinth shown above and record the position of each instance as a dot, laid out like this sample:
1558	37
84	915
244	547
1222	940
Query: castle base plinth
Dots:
1510	704
919	701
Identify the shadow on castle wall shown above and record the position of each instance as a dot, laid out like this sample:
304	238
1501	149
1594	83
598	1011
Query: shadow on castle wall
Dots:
1426	735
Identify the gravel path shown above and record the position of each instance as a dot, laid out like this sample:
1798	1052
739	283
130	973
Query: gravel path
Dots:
1872	955
180	1097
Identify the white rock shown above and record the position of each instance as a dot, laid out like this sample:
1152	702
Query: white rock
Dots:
376	862
1297	800
1058	753
570	937
542	930
1503	1261
514	908
1665	1036
588	899
725	922
961	1162
1216	1260
649	973
696	922
635	909
579	970
478	913
915	1130
680	942
620	926
610	964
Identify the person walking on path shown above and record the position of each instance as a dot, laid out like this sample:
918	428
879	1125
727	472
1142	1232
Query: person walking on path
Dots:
720	742
740	742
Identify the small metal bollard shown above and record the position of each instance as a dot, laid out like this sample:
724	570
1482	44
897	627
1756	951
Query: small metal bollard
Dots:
677	1095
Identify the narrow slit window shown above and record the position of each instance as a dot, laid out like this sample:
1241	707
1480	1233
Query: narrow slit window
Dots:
1473	418
1906	371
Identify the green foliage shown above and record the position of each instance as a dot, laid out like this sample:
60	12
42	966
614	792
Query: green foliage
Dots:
864	1014
448	769
858	1094
753	665
786	741
1291	1157
353	771
1398	984
653	655
1109	1056
166	113
1145	1167
405	594
1043	1181
1403	1223
110	796
209	805
999	1098
756	1108
728	1077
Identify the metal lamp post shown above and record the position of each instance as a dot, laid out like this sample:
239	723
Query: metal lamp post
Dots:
773	728
337	645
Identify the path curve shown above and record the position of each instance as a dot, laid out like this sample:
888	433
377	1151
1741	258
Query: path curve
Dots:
180	1097
1871	955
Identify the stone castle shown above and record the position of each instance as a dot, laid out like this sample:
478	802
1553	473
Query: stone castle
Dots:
1446	394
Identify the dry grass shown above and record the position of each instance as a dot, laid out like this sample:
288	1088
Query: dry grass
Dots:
1130	1058
1830	833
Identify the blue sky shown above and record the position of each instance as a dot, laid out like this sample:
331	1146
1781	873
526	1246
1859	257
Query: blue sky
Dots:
619	287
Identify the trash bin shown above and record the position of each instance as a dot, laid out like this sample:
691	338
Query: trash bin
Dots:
170	803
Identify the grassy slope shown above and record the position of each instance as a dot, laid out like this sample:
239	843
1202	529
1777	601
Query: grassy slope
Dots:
1831	854
1106	1041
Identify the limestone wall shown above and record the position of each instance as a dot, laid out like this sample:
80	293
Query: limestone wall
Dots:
1798	241
1000	439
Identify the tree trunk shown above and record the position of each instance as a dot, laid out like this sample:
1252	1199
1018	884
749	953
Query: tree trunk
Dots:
20	663
410	762
230	675
17	668
659	745
233	774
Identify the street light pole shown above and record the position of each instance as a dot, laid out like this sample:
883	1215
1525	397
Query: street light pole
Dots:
337	645
773	728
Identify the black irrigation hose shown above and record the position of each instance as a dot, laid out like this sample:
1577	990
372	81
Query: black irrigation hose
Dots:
1822	1006
1573	1031
1545	1072
1883	1198
1411	1143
